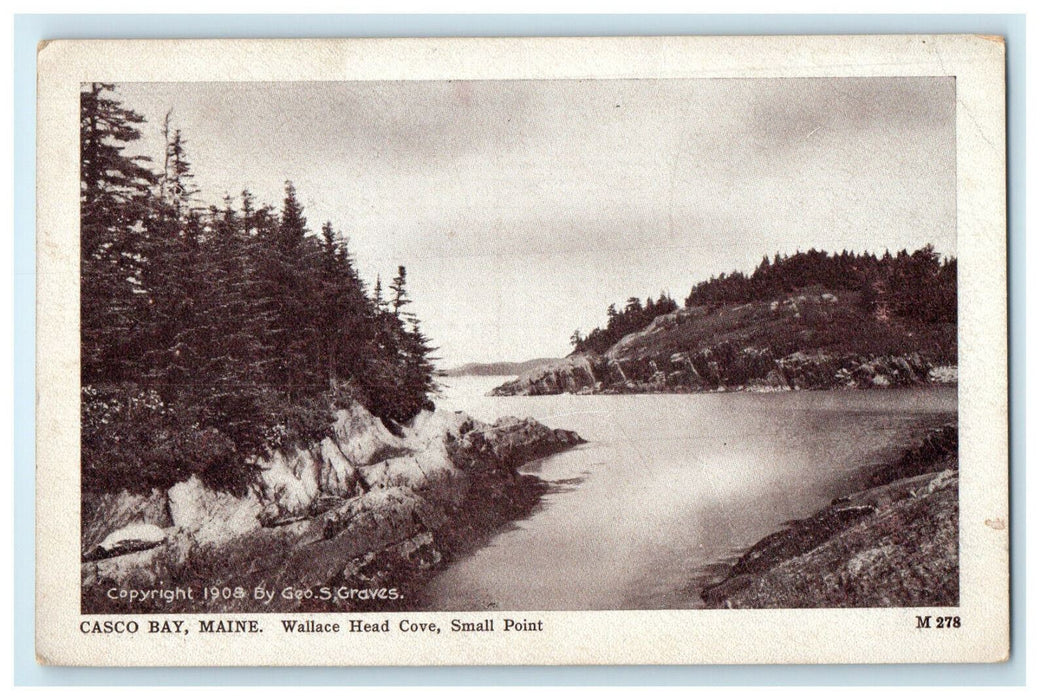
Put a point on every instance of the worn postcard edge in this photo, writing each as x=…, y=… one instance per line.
x=600, y=637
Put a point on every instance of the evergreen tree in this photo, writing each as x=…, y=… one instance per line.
x=114, y=192
x=211, y=335
x=377, y=296
x=399, y=290
x=170, y=335
x=291, y=275
x=633, y=317
x=347, y=315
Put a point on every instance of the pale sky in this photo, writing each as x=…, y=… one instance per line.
x=522, y=209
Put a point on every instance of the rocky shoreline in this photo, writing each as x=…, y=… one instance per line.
x=816, y=340
x=364, y=510
x=893, y=544
x=725, y=368
x=368, y=511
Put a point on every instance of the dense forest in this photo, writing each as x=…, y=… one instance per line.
x=213, y=333
x=920, y=286
x=633, y=317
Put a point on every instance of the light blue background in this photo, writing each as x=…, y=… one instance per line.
x=30, y=29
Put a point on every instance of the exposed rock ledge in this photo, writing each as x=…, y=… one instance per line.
x=895, y=544
x=361, y=508
x=810, y=340
x=723, y=368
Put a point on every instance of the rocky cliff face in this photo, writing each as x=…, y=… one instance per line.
x=721, y=368
x=361, y=504
x=814, y=341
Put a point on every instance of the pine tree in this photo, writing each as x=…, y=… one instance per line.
x=169, y=330
x=377, y=295
x=220, y=332
x=347, y=312
x=399, y=290
x=291, y=274
x=176, y=189
x=114, y=191
x=292, y=221
x=419, y=377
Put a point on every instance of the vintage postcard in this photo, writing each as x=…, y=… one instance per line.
x=663, y=350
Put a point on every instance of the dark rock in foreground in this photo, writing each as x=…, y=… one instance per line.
x=942, y=444
x=895, y=544
x=509, y=443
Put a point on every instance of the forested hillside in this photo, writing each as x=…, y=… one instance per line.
x=804, y=321
x=210, y=332
x=632, y=318
x=920, y=286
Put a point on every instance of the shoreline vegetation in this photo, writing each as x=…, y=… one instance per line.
x=806, y=321
x=255, y=418
x=364, y=513
x=212, y=333
x=253, y=415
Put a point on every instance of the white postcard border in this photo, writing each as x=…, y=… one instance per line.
x=606, y=637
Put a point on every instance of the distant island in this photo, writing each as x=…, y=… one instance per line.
x=497, y=369
x=811, y=320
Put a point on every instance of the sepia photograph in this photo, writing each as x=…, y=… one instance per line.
x=730, y=304
x=493, y=349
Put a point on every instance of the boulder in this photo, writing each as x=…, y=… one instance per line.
x=511, y=442
x=428, y=469
x=945, y=374
x=285, y=486
x=380, y=517
x=338, y=476
x=212, y=517
x=436, y=426
x=101, y=513
x=138, y=566
x=129, y=538
x=363, y=438
x=418, y=551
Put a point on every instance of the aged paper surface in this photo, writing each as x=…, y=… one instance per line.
x=248, y=453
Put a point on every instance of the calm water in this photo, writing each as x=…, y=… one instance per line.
x=670, y=488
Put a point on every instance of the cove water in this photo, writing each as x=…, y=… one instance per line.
x=670, y=488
